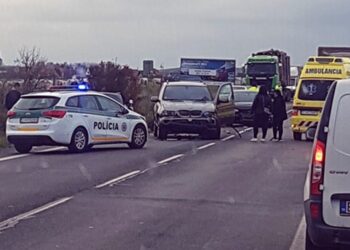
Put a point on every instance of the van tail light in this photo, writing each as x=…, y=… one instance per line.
x=315, y=210
x=317, y=168
x=55, y=113
x=11, y=114
x=295, y=112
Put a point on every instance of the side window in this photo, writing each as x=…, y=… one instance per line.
x=226, y=92
x=73, y=102
x=88, y=102
x=109, y=105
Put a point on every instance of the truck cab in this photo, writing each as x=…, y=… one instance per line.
x=270, y=68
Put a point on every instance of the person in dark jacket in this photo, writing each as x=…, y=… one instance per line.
x=12, y=96
x=261, y=111
x=279, y=113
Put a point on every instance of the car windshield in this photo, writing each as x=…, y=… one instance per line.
x=314, y=90
x=36, y=103
x=257, y=69
x=186, y=93
x=244, y=96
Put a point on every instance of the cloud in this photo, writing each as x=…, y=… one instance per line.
x=165, y=30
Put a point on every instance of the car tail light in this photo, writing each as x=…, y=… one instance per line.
x=315, y=210
x=55, y=113
x=295, y=112
x=317, y=168
x=11, y=114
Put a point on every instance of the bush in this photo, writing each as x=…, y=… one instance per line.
x=143, y=104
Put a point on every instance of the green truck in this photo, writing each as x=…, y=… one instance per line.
x=270, y=68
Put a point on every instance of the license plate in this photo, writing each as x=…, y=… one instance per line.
x=309, y=112
x=29, y=120
x=345, y=208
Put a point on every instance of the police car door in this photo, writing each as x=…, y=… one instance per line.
x=117, y=124
x=93, y=117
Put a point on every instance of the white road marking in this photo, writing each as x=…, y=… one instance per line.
x=228, y=138
x=170, y=159
x=17, y=156
x=15, y=220
x=299, y=237
x=12, y=157
x=245, y=130
x=206, y=146
x=118, y=179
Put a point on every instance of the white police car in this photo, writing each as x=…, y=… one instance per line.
x=77, y=119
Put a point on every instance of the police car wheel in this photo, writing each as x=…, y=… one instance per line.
x=79, y=141
x=23, y=148
x=139, y=137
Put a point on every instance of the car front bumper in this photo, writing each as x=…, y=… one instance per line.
x=188, y=125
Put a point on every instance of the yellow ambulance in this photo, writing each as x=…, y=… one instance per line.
x=317, y=76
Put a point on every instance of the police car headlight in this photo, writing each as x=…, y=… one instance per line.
x=209, y=114
x=168, y=113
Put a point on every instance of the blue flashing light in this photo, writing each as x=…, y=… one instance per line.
x=83, y=87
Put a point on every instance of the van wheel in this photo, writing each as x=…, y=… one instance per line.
x=79, y=141
x=23, y=148
x=139, y=137
x=162, y=133
x=297, y=136
x=309, y=245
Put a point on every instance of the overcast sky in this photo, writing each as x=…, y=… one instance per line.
x=166, y=30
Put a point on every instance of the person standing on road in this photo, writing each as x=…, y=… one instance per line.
x=12, y=96
x=279, y=113
x=261, y=111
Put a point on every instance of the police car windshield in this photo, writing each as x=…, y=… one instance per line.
x=244, y=96
x=186, y=93
x=36, y=103
x=314, y=90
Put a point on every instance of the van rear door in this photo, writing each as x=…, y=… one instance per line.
x=336, y=193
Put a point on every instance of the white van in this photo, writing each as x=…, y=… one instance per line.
x=327, y=186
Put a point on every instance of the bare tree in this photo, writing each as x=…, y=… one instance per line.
x=34, y=66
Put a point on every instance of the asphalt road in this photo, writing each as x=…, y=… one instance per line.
x=178, y=194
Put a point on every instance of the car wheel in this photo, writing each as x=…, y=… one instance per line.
x=212, y=134
x=216, y=135
x=162, y=133
x=23, y=148
x=297, y=136
x=139, y=137
x=79, y=141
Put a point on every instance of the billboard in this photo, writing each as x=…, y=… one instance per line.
x=209, y=69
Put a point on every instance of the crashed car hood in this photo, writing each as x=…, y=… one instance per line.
x=189, y=105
